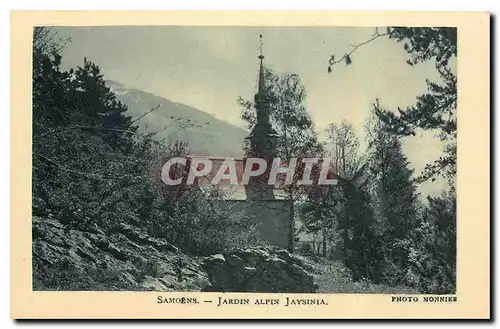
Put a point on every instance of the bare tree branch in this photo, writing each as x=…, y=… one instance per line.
x=80, y=173
x=347, y=57
x=142, y=116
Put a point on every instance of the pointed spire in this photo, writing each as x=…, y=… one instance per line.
x=261, y=71
x=263, y=137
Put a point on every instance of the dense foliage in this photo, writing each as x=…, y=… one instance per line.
x=93, y=170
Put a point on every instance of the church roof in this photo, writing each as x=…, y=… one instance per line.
x=233, y=191
x=239, y=193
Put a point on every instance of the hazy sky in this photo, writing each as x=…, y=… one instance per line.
x=209, y=67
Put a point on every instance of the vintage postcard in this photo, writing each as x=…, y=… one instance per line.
x=239, y=165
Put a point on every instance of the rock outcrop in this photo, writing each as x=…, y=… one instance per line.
x=128, y=259
x=258, y=270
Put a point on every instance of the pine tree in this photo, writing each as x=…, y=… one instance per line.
x=97, y=106
x=394, y=196
x=433, y=247
x=50, y=85
x=435, y=109
x=358, y=227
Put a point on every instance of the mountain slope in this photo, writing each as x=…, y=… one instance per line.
x=206, y=134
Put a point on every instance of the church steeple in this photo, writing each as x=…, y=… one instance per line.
x=261, y=71
x=261, y=101
x=263, y=137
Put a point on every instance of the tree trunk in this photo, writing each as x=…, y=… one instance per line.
x=343, y=162
x=324, y=244
x=291, y=227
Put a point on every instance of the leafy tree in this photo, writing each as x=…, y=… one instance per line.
x=320, y=212
x=323, y=208
x=344, y=146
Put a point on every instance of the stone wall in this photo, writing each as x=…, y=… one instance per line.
x=270, y=217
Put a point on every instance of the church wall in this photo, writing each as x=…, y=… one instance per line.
x=270, y=216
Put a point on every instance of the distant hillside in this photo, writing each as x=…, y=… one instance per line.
x=206, y=134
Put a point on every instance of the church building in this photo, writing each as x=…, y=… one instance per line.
x=265, y=204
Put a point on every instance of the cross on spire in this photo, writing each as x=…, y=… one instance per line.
x=261, y=44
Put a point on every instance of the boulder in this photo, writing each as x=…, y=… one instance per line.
x=257, y=270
